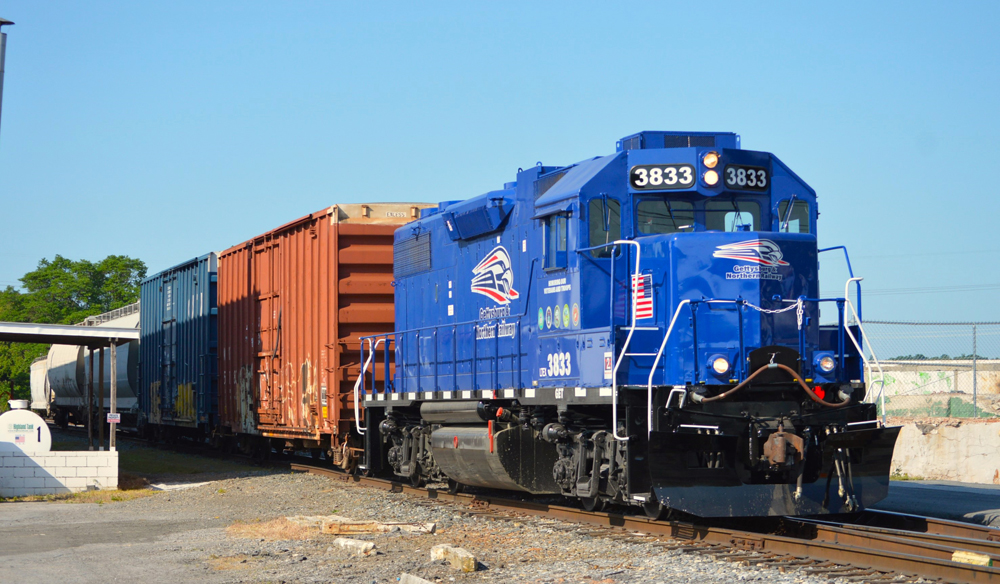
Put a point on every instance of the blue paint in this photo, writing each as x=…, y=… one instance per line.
x=514, y=297
x=179, y=342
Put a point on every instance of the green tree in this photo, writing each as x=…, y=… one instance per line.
x=61, y=291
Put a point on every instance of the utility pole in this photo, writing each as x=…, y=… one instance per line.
x=3, y=50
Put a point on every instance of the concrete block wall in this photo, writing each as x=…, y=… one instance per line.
x=55, y=473
x=948, y=450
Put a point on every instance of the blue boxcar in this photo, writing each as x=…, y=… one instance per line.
x=178, y=349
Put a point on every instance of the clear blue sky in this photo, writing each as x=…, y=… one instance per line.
x=166, y=130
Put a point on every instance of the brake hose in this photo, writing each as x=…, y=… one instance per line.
x=808, y=390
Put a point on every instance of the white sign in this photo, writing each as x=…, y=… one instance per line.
x=114, y=418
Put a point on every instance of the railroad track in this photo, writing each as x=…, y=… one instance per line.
x=875, y=546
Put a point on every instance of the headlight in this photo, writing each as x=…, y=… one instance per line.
x=720, y=365
x=711, y=178
x=826, y=364
x=710, y=160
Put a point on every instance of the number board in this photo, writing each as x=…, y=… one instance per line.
x=746, y=178
x=659, y=177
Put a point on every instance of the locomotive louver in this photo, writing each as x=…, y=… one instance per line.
x=411, y=255
x=546, y=182
x=688, y=141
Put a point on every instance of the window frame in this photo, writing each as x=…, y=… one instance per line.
x=598, y=202
x=795, y=202
x=555, y=259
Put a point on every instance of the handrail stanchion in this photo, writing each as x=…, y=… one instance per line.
x=633, y=280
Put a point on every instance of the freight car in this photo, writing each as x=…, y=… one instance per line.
x=68, y=373
x=641, y=328
x=178, y=344
x=293, y=303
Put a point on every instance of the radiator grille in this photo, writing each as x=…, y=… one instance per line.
x=411, y=255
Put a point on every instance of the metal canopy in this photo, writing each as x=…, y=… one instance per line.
x=66, y=334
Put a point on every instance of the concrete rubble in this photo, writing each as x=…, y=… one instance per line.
x=361, y=548
x=337, y=525
x=459, y=558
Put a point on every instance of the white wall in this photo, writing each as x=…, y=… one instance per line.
x=53, y=473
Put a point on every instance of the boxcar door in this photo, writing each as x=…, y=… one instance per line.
x=168, y=361
x=267, y=260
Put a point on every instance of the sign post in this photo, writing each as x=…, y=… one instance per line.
x=114, y=395
x=3, y=50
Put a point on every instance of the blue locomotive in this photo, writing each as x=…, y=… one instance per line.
x=638, y=329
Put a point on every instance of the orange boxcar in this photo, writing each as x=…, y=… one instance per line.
x=293, y=304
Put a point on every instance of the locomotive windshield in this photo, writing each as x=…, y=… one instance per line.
x=796, y=221
x=664, y=216
x=659, y=216
x=732, y=215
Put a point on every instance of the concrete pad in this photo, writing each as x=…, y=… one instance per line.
x=975, y=503
x=177, y=486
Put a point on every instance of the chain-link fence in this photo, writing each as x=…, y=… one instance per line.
x=940, y=370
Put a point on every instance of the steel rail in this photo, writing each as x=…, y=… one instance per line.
x=906, y=552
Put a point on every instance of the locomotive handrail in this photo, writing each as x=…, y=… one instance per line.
x=361, y=378
x=850, y=272
x=864, y=339
x=633, y=283
x=652, y=370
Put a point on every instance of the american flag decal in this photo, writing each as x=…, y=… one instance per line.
x=642, y=287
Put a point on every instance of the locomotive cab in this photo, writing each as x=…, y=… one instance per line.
x=641, y=328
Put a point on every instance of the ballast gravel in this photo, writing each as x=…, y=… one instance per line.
x=197, y=546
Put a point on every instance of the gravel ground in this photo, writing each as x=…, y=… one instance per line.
x=188, y=541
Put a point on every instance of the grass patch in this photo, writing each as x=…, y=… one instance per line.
x=898, y=476
x=230, y=562
x=279, y=529
x=99, y=497
x=147, y=461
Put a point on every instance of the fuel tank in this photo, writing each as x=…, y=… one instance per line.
x=510, y=458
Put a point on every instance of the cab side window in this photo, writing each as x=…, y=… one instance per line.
x=555, y=242
x=796, y=221
x=605, y=224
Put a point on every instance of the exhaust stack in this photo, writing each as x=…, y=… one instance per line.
x=3, y=49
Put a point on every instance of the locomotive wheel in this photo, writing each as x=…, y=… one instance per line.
x=592, y=503
x=654, y=510
x=416, y=480
x=454, y=487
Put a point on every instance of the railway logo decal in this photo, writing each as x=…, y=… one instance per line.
x=493, y=277
x=758, y=251
x=764, y=254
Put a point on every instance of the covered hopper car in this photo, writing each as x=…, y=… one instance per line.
x=641, y=328
x=67, y=372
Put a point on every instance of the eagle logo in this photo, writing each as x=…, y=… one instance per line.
x=493, y=277
x=755, y=251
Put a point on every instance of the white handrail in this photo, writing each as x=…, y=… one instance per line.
x=868, y=367
x=652, y=370
x=633, y=281
x=357, y=385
